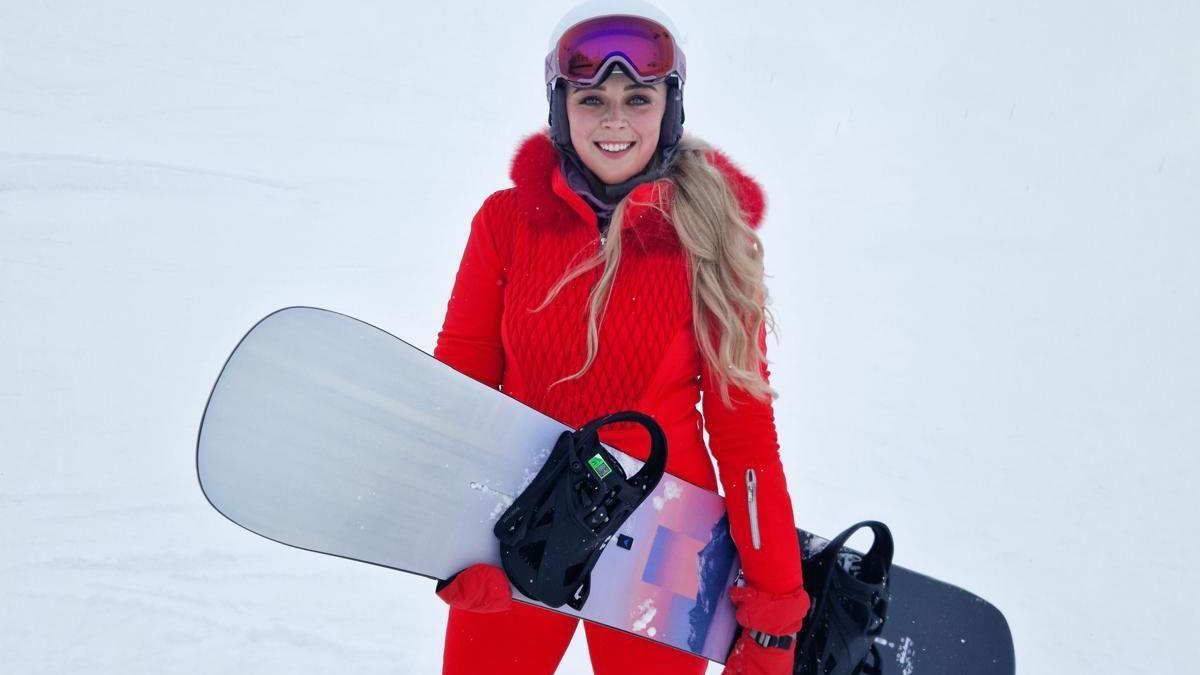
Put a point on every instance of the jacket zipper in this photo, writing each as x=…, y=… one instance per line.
x=751, y=487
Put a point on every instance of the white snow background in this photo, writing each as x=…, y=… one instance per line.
x=982, y=241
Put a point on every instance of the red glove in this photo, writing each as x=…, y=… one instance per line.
x=774, y=614
x=479, y=588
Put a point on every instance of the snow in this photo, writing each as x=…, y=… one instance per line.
x=644, y=615
x=671, y=490
x=981, y=236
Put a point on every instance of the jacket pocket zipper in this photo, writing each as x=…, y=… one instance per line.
x=751, y=498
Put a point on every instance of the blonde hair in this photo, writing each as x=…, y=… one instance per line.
x=729, y=295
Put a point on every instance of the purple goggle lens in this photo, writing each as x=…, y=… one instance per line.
x=585, y=52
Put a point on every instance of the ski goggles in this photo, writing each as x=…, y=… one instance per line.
x=586, y=52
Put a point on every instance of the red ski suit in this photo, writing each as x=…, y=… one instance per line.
x=521, y=242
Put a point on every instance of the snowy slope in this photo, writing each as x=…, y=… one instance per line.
x=982, y=237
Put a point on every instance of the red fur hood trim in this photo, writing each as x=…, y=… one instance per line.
x=546, y=201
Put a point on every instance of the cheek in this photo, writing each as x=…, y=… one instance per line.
x=649, y=128
x=649, y=123
x=581, y=124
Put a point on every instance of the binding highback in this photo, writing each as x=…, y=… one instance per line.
x=554, y=532
x=849, y=606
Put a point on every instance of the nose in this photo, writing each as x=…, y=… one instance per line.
x=614, y=120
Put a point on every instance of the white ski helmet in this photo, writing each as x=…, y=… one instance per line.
x=639, y=49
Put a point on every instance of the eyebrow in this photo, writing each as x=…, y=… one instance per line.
x=635, y=85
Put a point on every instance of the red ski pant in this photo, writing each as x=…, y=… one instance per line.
x=528, y=640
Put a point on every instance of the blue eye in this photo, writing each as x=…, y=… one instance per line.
x=637, y=100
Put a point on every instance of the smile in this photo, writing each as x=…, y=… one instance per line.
x=615, y=148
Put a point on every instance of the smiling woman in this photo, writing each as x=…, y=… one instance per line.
x=673, y=269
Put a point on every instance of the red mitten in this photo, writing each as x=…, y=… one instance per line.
x=774, y=614
x=479, y=588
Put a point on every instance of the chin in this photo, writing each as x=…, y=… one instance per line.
x=613, y=173
x=614, y=178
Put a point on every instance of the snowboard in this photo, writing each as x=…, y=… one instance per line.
x=328, y=434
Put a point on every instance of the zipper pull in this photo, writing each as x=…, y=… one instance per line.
x=751, y=498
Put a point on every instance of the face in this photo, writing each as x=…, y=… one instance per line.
x=615, y=125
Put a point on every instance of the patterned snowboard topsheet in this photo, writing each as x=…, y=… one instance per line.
x=328, y=434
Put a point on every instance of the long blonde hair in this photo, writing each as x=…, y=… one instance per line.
x=729, y=295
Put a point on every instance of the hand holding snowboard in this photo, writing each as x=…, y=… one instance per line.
x=767, y=645
x=478, y=588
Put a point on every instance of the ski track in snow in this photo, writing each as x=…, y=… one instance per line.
x=18, y=177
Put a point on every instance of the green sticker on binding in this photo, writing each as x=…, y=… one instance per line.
x=600, y=466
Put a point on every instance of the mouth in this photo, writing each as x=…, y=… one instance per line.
x=615, y=150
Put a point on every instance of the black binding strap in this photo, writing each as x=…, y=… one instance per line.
x=850, y=594
x=554, y=532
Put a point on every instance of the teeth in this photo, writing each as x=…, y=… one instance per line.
x=614, y=147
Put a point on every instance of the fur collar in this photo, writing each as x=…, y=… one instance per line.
x=545, y=199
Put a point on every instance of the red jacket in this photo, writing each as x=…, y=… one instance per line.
x=521, y=242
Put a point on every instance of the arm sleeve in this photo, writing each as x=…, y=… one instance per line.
x=742, y=439
x=469, y=340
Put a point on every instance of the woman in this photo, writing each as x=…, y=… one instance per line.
x=583, y=291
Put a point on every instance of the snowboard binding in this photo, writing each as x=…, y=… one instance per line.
x=850, y=598
x=554, y=532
